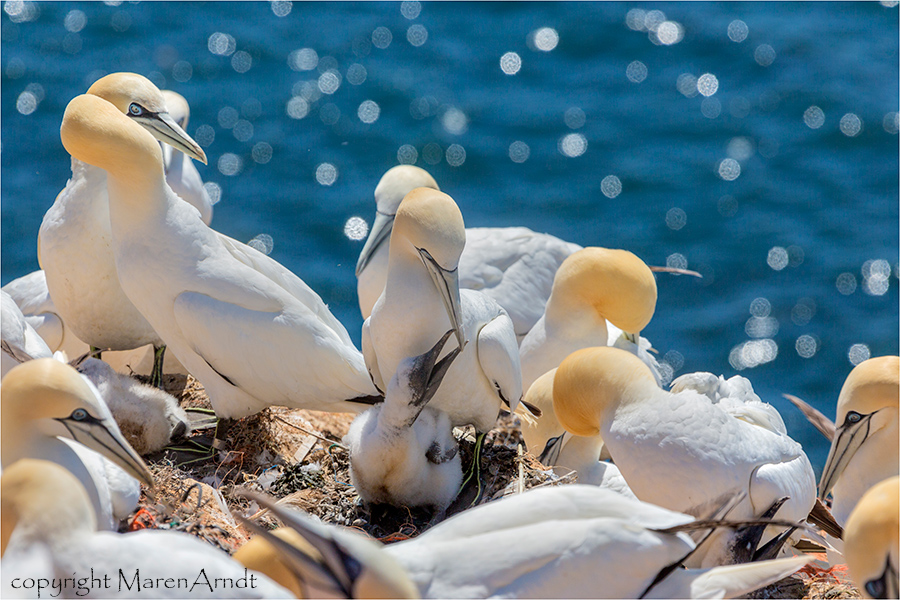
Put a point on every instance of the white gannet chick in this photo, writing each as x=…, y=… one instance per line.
x=46, y=404
x=864, y=449
x=684, y=452
x=251, y=331
x=401, y=451
x=45, y=508
x=181, y=174
x=593, y=289
x=570, y=541
x=565, y=452
x=422, y=300
x=512, y=265
x=871, y=544
x=75, y=246
x=18, y=339
x=148, y=417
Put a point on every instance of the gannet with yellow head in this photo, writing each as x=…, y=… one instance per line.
x=421, y=300
x=251, y=331
x=46, y=405
x=46, y=514
x=864, y=449
x=570, y=541
x=597, y=295
x=684, y=452
x=871, y=544
x=75, y=240
x=512, y=265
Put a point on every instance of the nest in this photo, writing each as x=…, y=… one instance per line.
x=297, y=457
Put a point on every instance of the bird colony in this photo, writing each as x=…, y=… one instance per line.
x=688, y=492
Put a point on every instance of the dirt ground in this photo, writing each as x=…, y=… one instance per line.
x=297, y=456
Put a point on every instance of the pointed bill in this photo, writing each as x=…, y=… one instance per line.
x=380, y=233
x=164, y=128
x=427, y=372
x=447, y=284
x=103, y=436
x=847, y=440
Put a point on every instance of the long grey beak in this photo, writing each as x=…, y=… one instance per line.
x=447, y=284
x=380, y=232
x=847, y=440
x=426, y=374
x=104, y=437
x=551, y=451
x=164, y=128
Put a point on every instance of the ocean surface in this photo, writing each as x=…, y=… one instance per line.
x=753, y=142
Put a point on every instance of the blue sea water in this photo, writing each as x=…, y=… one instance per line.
x=754, y=142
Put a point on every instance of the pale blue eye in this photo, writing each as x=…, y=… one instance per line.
x=79, y=414
x=136, y=109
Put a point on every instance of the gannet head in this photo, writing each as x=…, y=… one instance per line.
x=137, y=97
x=260, y=555
x=50, y=397
x=429, y=224
x=871, y=540
x=343, y=561
x=544, y=436
x=615, y=283
x=395, y=184
x=45, y=498
x=591, y=383
x=871, y=391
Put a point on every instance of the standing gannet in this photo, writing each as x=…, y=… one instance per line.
x=422, y=300
x=557, y=448
x=401, y=451
x=684, y=452
x=46, y=404
x=569, y=541
x=75, y=246
x=251, y=331
x=181, y=174
x=512, y=265
x=593, y=289
x=864, y=449
x=872, y=540
x=47, y=513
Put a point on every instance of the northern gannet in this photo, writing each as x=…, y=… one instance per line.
x=600, y=297
x=872, y=540
x=46, y=404
x=75, y=246
x=181, y=174
x=683, y=451
x=555, y=447
x=512, y=265
x=422, y=300
x=18, y=339
x=568, y=541
x=251, y=331
x=403, y=452
x=46, y=513
x=864, y=449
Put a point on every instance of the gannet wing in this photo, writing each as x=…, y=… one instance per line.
x=19, y=339
x=498, y=355
x=728, y=581
x=284, y=350
x=371, y=358
x=735, y=396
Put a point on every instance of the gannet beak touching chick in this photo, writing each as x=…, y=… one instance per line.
x=864, y=449
x=137, y=97
x=871, y=541
x=51, y=396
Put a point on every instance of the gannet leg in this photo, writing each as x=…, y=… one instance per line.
x=95, y=352
x=156, y=375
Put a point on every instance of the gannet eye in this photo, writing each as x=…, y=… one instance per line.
x=135, y=109
x=853, y=417
x=79, y=414
x=876, y=588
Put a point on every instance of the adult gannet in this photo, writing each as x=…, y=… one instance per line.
x=864, y=449
x=403, y=452
x=871, y=540
x=555, y=447
x=181, y=174
x=47, y=513
x=422, y=300
x=512, y=265
x=18, y=339
x=570, y=541
x=600, y=297
x=46, y=404
x=251, y=331
x=683, y=451
x=75, y=246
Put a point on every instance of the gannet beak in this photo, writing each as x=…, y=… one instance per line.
x=447, y=284
x=551, y=451
x=164, y=128
x=105, y=438
x=426, y=374
x=381, y=231
x=847, y=440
